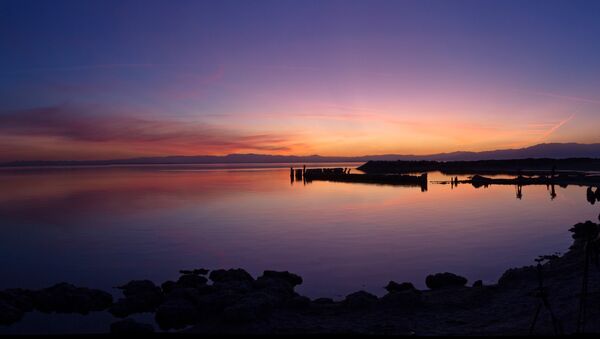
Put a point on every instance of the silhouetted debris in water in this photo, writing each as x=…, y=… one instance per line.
x=67, y=298
x=393, y=286
x=130, y=326
x=360, y=300
x=140, y=296
x=444, y=280
x=591, y=196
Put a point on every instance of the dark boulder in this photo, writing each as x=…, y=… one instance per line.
x=191, y=280
x=168, y=286
x=393, y=286
x=323, y=301
x=445, y=280
x=237, y=275
x=478, y=283
x=291, y=278
x=20, y=298
x=177, y=313
x=197, y=271
x=9, y=314
x=359, y=300
x=66, y=298
x=407, y=299
x=140, y=296
x=298, y=303
x=250, y=308
x=130, y=326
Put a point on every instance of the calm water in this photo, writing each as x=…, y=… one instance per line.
x=100, y=227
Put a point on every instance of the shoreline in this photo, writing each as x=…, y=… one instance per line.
x=232, y=301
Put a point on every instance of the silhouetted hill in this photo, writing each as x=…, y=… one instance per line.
x=554, y=151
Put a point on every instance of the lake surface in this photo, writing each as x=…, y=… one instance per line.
x=101, y=227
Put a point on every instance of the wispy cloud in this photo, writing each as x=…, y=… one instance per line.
x=83, y=125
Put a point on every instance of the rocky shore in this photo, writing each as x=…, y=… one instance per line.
x=232, y=301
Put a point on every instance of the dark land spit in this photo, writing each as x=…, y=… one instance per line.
x=542, y=166
x=232, y=301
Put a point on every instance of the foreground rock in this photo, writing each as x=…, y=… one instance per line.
x=444, y=280
x=130, y=326
x=236, y=302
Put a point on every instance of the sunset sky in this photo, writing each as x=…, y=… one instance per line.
x=113, y=79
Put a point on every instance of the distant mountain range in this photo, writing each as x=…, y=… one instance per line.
x=554, y=150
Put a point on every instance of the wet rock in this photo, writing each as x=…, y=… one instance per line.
x=130, y=326
x=66, y=298
x=359, y=300
x=237, y=275
x=250, y=308
x=197, y=271
x=140, y=296
x=444, y=280
x=478, y=284
x=393, y=286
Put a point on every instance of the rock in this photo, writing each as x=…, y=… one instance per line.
x=250, y=308
x=191, y=280
x=445, y=280
x=197, y=271
x=177, y=313
x=20, y=298
x=9, y=314
x=168, y=286
x=359, y=300
x=66, y=298
x=291, y=278
x=393, y=286
x=298, y=303
x=478, y=284
x=220, y=276
x=323, y=301
x=140, y=296
x=407, y=299
x=516, y=276
x=130, y=326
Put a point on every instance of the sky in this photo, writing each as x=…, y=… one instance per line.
x=108, y=79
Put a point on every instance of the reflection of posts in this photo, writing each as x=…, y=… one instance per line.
x=519, y=192
x=552, y=192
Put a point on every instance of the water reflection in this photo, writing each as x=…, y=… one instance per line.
x=99, y=227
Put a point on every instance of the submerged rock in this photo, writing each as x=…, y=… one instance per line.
x=445, y=280
x=130, y=326
x=359, y=300
x=67, y=298
x=140, y=296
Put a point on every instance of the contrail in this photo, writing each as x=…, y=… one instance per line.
x=557, y=126
x=567, y=97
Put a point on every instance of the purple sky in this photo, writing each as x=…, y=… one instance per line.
x=106, y=79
